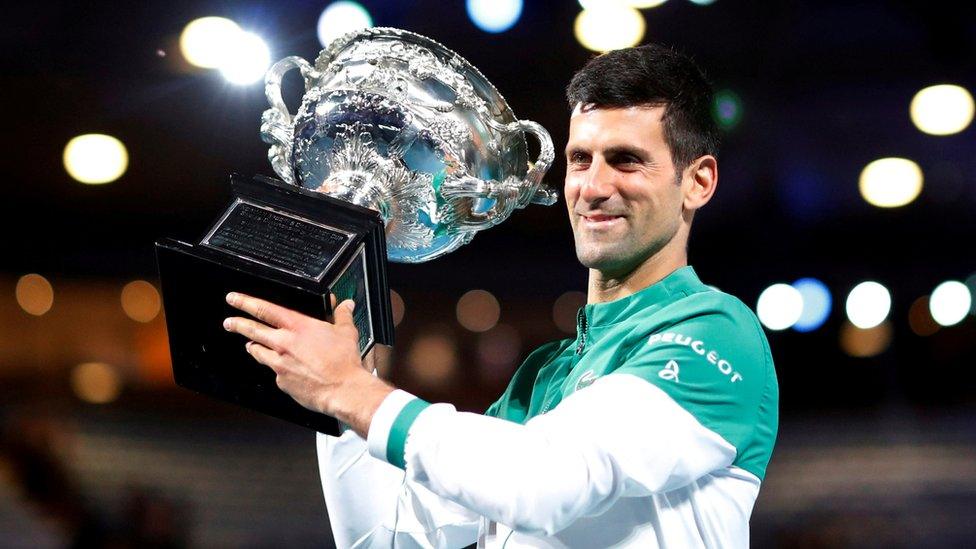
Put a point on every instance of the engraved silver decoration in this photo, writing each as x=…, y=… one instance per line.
x=396, y=122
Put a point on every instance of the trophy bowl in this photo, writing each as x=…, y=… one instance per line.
x=398, y=123
x=400, y=151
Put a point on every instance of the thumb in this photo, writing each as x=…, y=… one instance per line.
x=343, y=313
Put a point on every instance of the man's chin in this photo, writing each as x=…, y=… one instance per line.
x=602, y=262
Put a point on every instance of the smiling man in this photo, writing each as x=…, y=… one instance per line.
x=651, y=428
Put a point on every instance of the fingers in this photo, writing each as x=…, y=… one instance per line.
x=264, y=355
x=343, y=319
x=343, y=313
x=267, y=312
x=253, y=330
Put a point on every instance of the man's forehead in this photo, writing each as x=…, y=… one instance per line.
x=602, y=127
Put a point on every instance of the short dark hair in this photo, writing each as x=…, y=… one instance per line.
x=654, y=75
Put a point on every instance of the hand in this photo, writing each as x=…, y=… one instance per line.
x=317, y=362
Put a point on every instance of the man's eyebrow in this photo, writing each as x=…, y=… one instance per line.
x=571, y=150
x=614, y=150
x=620, y=150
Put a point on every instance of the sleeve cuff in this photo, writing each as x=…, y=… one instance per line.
x=387, y=437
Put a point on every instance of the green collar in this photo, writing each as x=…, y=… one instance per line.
x=682, y=281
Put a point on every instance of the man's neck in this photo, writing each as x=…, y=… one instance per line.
x=605, y=287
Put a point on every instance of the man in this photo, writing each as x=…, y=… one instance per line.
x=652, y=428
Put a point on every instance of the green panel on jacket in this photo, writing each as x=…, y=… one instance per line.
x=702, y=347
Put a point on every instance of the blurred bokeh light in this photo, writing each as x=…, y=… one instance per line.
x=890, y=182
x=248, y=60
x=865, y=342
x=34, y=293
x=494, y=15
x=96, y=382
x=950, y=303
x=609, y=26
x=478, y=310
x=779, y=307
x=95, y=158
x=817, y=303
x=140, y=301
x=868, y=304
x=219, y=43
x=433, y=357
x=339, y=18
x=208, y=41
x=727, y=109
x=943, y=109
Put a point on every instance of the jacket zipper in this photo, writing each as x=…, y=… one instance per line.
x=581, y=328
x=581, y=325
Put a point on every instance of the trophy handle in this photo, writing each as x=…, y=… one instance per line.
x=547, y=153
x=272, y=82
x=508, y=194
x=276, y=123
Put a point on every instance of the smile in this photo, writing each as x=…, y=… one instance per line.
x=601, y=221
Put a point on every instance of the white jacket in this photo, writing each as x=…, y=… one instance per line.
x=577, y=476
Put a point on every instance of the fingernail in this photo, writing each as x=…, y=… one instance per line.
x=351, y=305
x=231, y=298
x=228, y=323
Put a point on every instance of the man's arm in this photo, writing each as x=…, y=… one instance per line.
x=370, y=502
x=622, y=436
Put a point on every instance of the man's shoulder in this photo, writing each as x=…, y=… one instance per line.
x=705, y=323
x=706, y=311
x=712, y=305
x=709, y=353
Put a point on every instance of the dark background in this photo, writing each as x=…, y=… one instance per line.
x=825, y=89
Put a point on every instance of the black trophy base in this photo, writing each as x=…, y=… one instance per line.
x=281, y=244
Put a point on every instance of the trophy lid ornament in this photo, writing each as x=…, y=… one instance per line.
x=398, y=123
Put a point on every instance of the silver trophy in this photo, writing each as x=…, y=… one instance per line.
x=401, y=150
x=397, y=123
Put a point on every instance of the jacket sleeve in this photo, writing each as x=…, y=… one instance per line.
x=622, y=436
x=373, y=504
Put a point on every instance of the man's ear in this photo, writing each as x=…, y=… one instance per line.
x=699, y=181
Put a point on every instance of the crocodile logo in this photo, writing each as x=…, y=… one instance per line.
x=586, y=380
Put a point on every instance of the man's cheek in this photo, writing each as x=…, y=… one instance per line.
x=570, y=194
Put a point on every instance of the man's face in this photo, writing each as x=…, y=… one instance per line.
x=622, y=191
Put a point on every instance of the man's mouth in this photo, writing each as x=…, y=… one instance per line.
x=597, y=221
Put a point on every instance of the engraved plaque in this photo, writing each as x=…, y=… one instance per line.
x=278, y=240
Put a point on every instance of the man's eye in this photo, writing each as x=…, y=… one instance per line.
x=579, y=159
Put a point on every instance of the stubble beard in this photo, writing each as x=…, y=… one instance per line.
x=616, y=258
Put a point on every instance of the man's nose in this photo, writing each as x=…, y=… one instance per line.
x=599, y=182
